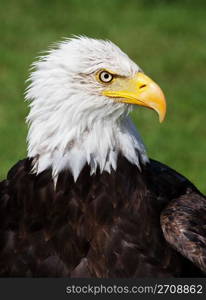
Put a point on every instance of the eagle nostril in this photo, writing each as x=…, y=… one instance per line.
x=142, y=86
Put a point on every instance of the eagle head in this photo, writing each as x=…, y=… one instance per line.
x=80, y=94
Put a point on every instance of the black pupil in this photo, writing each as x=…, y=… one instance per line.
x=106, y=76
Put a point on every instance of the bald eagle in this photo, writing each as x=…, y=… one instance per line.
x=87, y=201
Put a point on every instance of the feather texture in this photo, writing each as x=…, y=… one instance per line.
x=94, y=227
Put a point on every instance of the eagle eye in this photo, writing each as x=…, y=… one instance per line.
x=105, y=76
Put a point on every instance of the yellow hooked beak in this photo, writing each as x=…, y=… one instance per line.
x=139, y=90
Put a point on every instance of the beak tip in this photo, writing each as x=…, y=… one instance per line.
x=162, y=108
x=161, y=118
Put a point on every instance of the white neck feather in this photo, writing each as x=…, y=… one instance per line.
x=81, y=138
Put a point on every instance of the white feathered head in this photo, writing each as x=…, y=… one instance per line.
x=80, y=95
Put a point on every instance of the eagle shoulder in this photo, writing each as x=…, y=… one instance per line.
x=183, y=219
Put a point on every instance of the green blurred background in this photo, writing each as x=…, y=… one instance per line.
x=166, y=38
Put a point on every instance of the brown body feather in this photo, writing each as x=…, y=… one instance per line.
x=105, y=225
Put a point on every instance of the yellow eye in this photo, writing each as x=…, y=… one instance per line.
x=105, y=76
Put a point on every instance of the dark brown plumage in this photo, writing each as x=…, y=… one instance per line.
x=105, y=225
